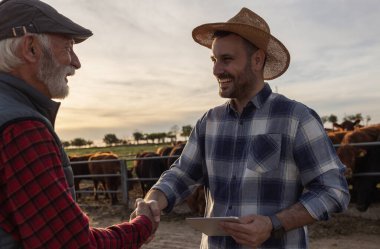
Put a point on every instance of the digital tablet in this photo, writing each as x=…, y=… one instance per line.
x=210, y=226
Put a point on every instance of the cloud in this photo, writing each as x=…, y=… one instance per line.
x=142, y=69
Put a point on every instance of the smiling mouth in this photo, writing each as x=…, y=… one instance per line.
x=224, y=81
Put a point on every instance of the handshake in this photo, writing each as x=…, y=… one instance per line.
x=151, y=210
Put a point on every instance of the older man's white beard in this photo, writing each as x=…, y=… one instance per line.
x=54, y=76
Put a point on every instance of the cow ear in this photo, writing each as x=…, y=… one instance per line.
x=362, y=153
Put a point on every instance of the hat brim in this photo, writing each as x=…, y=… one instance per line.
x=278, y=57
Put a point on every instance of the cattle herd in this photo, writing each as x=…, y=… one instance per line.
x=355, y=145
x=359, y=150
x=94, y=166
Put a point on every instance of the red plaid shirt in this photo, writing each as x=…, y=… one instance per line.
x=36, y=207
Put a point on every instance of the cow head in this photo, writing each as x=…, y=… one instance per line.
x=349, y=155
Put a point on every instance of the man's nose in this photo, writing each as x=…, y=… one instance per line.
x=75, y=61
x=218, y=69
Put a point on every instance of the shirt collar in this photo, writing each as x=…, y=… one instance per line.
x=43, y=104
x=257, y=101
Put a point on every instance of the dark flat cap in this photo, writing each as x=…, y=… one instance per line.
x=18, y=17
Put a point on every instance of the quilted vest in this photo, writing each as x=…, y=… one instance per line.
x=20, y=101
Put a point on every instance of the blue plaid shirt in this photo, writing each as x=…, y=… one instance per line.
x=275, y=154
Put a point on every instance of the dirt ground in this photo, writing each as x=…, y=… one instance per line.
x=350, y=230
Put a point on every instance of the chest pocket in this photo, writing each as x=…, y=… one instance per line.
x=264, y=153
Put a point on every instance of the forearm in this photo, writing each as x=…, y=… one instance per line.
x=159, y=196
x=294, y=217
x=131, y=234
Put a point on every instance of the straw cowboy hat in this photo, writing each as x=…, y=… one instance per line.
x=253, y=28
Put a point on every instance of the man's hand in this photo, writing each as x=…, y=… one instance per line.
x=155, y=211
x=145, y=208
x=252, y=231
x=156, y=201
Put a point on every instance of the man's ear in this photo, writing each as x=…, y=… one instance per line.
x=30, y=49
x=258, y=60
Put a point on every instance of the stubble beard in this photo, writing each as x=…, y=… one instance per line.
x=239, y=86
x=53, y=75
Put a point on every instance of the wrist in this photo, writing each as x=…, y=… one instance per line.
x=277, y=228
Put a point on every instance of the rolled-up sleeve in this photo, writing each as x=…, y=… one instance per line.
x=322, y=173
x=186, y=173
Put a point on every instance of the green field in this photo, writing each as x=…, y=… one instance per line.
x=123, y=151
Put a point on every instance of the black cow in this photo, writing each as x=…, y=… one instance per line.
x=80, y=169
x=364, y=186
x=164, y=151
x=148, y=168
x=176, y=151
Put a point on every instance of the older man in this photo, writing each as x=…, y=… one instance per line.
x=261, y=156
x=37, y=201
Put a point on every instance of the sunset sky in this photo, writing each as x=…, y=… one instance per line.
x=142, y=71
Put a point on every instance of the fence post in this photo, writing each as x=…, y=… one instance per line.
x=124, y=182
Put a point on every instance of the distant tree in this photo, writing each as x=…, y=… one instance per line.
x=172, y=137
x=367, y=119
x=78, y=142
x=111, y=139
x=332, y=119
x=161, y=137
x=324, y=119
x=124, y=141
x=89, y=143
x=150, y=136
x=353, y=117
x=66, y=144
x=186, y=130
x=172, y=134
x=138, y=136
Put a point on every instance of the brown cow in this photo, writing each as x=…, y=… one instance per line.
x=110, y=183
x=362, y=159
x=336, y=137
x=347, y=125
x=348, y=153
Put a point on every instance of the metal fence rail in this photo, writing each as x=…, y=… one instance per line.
x=123, y=175
x=367, y=174
x=125, y=180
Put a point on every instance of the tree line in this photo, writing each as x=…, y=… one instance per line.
x=332, y=118
x=110, y=139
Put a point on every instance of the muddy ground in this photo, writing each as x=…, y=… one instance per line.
x=350, y=230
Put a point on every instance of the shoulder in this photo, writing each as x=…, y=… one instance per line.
x=25, y=129
x=217, y=112
x=285, y=107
